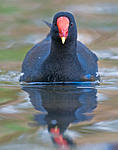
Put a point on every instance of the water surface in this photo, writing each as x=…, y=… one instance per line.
x=58, y=117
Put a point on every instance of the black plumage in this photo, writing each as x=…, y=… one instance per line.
x=52, y=61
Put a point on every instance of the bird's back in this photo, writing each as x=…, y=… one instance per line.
x=31, y=67
x=87, y=59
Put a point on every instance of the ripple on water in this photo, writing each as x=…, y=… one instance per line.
x=95, y=8
x=103, y=146
x=87, y=38
x=109, y=72
x=33, y=39
x=109, y=76
x=101, y=97
x=10, y=76
x=9, y=110
x=106, y=54
x=106, y=126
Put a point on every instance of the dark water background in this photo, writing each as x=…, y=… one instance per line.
x=87, y=117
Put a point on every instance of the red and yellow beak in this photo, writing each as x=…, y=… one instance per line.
x=63, y=24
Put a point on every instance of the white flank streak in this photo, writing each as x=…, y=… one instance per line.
x=97, y=74
x=22, y=74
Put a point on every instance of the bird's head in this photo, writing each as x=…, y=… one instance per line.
x=64, y=28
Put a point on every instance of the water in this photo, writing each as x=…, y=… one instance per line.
x=55, y=116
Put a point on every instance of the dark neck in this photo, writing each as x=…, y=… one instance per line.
x=62, y=50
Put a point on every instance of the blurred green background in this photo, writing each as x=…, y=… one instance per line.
x=21, y=26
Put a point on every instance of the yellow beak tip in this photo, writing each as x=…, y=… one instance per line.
x=63, y=39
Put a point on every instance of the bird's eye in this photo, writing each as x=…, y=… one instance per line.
x=55, y=24
x=71, y=24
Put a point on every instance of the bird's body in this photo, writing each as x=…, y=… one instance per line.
x=55, y=61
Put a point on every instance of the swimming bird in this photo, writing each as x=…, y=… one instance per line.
x=60, y=57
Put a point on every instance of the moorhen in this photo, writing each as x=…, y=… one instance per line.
x=60, y=57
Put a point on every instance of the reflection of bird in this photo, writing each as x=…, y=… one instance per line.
x=64, y=105
x=60, y=57
x=62, y=142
